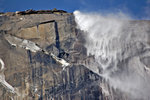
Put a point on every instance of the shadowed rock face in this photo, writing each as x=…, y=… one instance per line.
x=38, y=75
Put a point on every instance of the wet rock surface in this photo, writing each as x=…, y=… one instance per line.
x=37, y=75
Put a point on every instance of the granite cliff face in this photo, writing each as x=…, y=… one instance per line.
x=43, y=57
x=33, y=48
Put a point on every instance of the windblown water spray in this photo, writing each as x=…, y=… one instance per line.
x=121, y=50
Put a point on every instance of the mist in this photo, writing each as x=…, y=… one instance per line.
x=121, y=50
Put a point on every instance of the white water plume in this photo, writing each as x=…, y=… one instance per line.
x=121, y=50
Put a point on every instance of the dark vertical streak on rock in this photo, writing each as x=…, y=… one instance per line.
x=41, y=76
x=32, y=64
x=33, y=72
x=33, y=80
x=57, y=37
x=29, y=56
x=38, y=31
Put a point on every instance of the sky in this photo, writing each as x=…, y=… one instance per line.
x=138, y=9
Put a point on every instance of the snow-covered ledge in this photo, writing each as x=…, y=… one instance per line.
x=29, y=45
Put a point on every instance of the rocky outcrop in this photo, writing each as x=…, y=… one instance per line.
x=30, y=11
x=45, y=59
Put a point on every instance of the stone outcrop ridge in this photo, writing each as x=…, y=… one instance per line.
x=30, y=11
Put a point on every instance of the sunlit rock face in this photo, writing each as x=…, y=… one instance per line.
x=65, y=56
x=42, y=58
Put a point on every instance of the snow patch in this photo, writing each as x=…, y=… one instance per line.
x=26, y=44
x=61, y=61
x=3, y=81
x=2, y=64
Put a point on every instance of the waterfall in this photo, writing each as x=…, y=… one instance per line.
x=121, y=50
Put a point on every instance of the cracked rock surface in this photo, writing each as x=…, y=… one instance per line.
x=26, y=42
x=34, y=48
